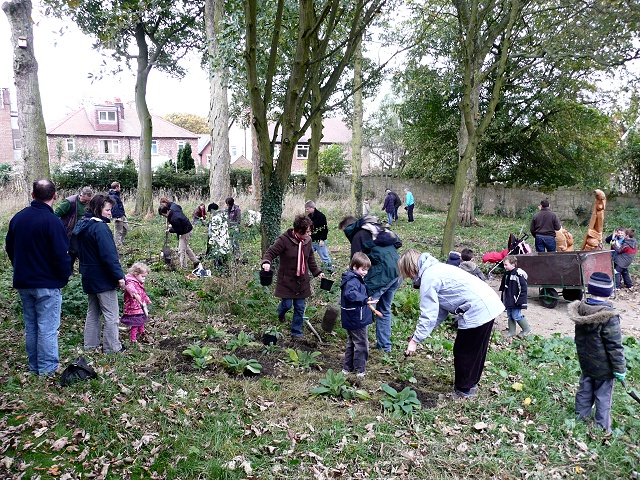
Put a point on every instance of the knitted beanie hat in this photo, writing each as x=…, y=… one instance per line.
x=600, y=285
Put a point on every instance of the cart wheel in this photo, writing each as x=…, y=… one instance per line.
x=548, y=297
x=572, y=294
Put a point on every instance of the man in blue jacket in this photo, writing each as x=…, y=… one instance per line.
x=37, y=245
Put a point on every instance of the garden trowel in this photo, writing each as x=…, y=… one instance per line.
x=631, y=393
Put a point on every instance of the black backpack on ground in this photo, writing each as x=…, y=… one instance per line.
x=77, y=370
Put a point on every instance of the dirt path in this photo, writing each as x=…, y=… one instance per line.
x=547, y=321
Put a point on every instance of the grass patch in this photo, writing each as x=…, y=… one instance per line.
x=155, y=413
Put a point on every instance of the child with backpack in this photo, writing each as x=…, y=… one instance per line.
x=136, y=301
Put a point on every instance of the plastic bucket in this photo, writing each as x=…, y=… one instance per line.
x=266, y=278
x=326, y=284
x=329, y=319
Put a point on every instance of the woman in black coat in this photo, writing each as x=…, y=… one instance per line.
x=101, y=275
x=181, y=226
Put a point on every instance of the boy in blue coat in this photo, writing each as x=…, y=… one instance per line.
x=355, y=315
x=514, y=296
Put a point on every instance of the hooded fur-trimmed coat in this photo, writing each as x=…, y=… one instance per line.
x=598, y=339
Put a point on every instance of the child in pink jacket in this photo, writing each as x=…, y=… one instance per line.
x=136, y=300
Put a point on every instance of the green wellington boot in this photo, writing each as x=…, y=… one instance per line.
x=526, y=329
x=512, y=329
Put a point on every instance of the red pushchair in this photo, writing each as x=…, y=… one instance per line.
x=515, y=246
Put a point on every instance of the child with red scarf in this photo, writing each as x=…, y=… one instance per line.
x=296, y=262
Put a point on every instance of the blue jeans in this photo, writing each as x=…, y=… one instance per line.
x=323, y=253
x=545, y=242
x=298, y=314
x=390, y=218
x=383, y=324
x=41, y=309
x=514, y=314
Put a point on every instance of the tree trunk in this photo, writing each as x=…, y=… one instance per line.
x=356, y=139
x=313, y=166
x=255, y=168
x=33, y=133
x=144, y=200
x=219, y=173
x=466, y=215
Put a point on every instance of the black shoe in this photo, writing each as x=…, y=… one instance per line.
x=281, y=318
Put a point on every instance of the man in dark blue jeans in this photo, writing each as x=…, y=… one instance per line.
x=37, y=245
x=543, y=227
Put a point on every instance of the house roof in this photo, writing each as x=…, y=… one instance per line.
x=79, y=123
x=334, y=130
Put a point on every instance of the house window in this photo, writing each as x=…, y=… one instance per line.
x=234, y=151
x=154, y=147
x=303, y=151
x=17, y=144
x=71, y=144
x=181, y=144
x=110, y=146
x=208, y=159
x=105, y=116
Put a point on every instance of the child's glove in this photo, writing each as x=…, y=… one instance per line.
x=619, y=376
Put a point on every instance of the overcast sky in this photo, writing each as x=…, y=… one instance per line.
x=64, y=62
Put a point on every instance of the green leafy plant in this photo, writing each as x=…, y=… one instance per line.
x=242, y=340
x=271, y=348
x=400, y=403
x=273, y=330
x=336, y=385
x=300, y=358
x=202, y=356
x=240, y=365
x=212, y=333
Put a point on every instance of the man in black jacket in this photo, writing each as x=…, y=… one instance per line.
x=543, y=227
x=119, y=217
x=181, y=226
x=319, y=233
x=37, y=245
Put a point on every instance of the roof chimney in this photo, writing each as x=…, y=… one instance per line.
x=118, y=103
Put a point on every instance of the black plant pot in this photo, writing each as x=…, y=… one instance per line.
x=269, y=339
x=326, y=284
x=266, y=278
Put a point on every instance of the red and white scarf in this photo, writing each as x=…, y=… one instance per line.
x=301, y=267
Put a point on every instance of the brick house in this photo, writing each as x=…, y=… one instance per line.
x=10, y=147
x=110, y=134
x=334, y=131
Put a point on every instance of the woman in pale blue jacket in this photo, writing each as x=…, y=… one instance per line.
x=446, y=289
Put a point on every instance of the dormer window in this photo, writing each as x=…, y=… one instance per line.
x=106, y=116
